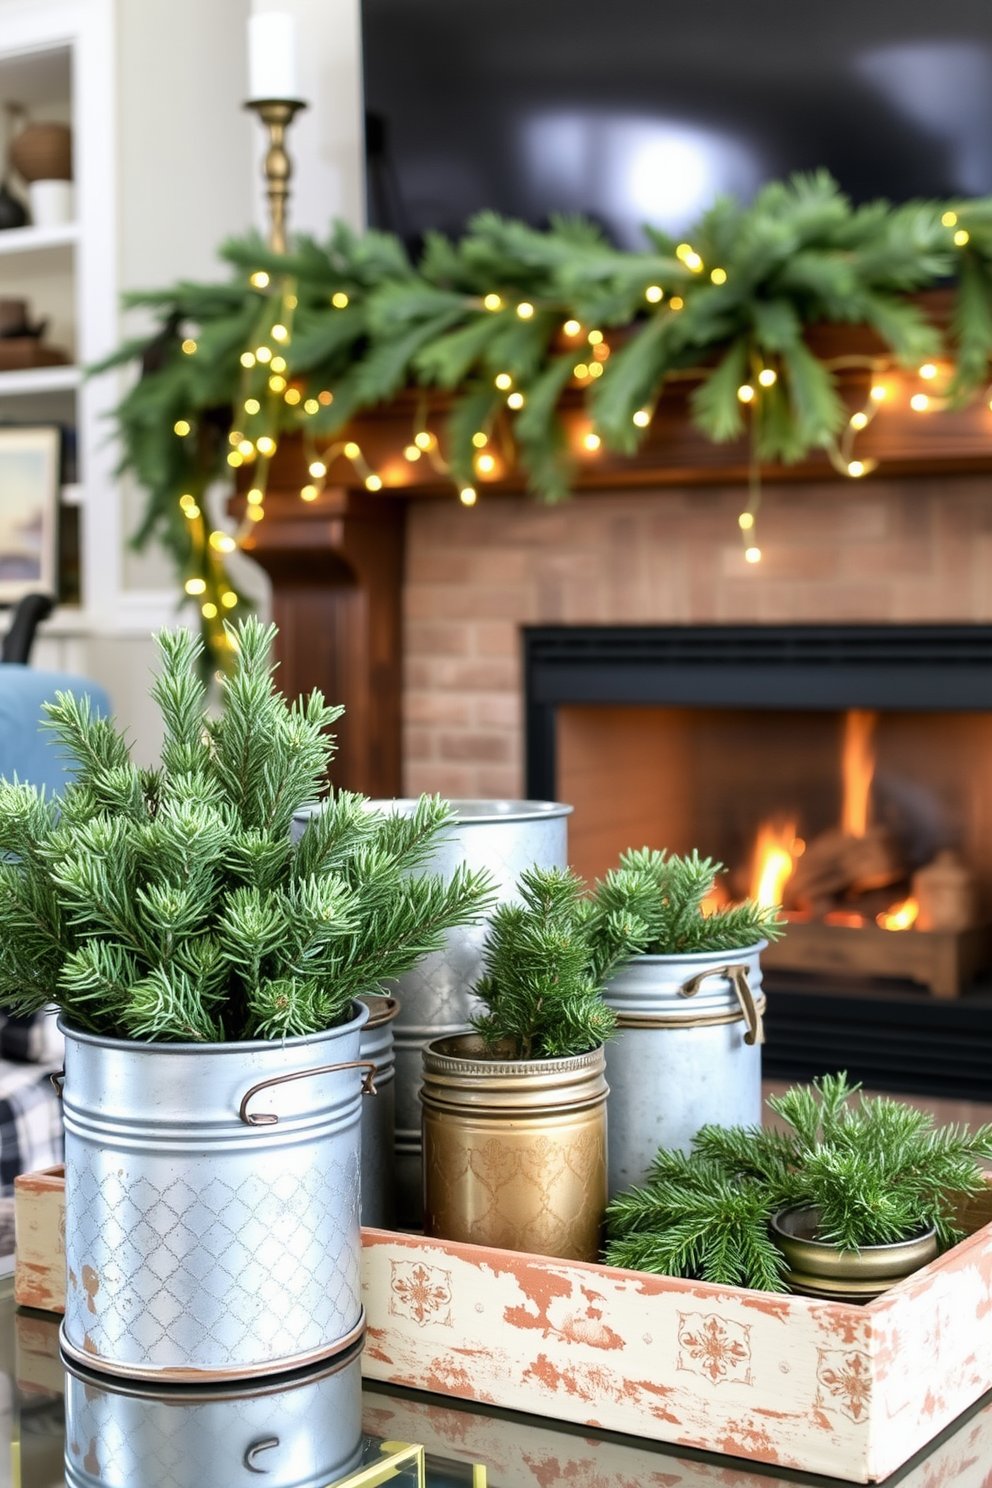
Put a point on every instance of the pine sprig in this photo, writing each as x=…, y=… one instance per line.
x=172, y=904
x=544, y=972
x=876, y=1170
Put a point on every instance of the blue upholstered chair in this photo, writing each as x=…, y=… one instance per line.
x=27, y=749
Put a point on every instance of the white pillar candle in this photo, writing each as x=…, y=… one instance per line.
x=272, y=59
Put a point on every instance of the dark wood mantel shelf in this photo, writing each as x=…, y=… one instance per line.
x=336, y=563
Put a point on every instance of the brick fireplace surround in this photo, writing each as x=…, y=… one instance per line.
x=894, y=550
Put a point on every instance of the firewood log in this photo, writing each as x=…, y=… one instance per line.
x=835, y=865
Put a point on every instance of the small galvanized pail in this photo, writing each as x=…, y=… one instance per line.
x=379, y=1116
x=514, y=1149
x=299, y=1431
x=212, y=1192
x=687, y=1053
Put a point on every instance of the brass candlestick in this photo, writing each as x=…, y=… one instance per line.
x=277, y=114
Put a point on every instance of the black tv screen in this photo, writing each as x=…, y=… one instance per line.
x=645, y=110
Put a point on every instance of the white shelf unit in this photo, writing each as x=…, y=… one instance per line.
x=39, y=380
x=37, y=239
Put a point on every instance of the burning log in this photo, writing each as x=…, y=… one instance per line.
x=836, y=865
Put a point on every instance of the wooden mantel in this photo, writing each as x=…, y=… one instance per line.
x=336, y=563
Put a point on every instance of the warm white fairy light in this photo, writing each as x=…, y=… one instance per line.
x=858, y=420
x=503, y=380
x=317, y=469
x=580, y=370
x=208, y=610
x=525, y=310
x=195, y=586
x=424, y=439
x=961, y=237
x=259, y=279
x=278, y=364
x=768, y=377
x=676, y=302
x=595, y=338
x=642, y=418
x=280, y=333
x=247, y=359
x=572, y=328
x=745, y=393
x=654, y=294
x=352, y=450
x=277, y=383
x=485, y=464
x=221, y=542
x=266, y=445
x=928, y=371
x=311, y=406
x=292, y=396
x=229, y=599
x=592, y=442
x=373, y=482
x=411, y=453
x=252, y=405
x=595, y=369
x=189, y=346
x=752, y=555
x=467, y=495
x=180, y=427
x=246, y=448
x=919, y=402
x=493, y=302
x=855, y=468
x=718, y=276
x=480, y=439
x=516, y=400
x=949, y=219
x=745, y=521
x=339, y=300
x=309, y=493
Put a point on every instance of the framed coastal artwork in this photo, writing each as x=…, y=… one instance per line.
x=29, y=492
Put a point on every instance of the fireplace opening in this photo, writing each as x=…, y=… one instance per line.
x=844, y=771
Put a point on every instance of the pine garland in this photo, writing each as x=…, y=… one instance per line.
x=354, y=321
x=877, y=1170
x=171, y=905
x=661, y=897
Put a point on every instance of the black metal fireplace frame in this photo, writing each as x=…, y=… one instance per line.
x=926, y=668
x=889, y=1039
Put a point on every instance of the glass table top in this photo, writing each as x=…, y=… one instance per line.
x=304, y=1432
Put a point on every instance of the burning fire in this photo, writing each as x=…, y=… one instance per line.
x=858, y=767
x=775, y=853
x=900, y=916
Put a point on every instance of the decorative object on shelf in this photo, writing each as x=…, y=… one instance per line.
x=305, y=1432
x=29, y=493
x=21, y=341
x=206, y=970
x=13, y=213
x=42, y=152
x=437, y=996
x=510, y=318
x=274, y=88
x=689, y=1010
x=514, y=1114
x=378, y=1207
x=52, y=203
x=876, y=1172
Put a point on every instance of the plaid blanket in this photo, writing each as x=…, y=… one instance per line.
x=30, y=1109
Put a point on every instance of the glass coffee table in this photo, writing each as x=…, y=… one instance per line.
x=121, y=1436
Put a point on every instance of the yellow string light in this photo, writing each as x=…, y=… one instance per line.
x=745, y=393
x=247, y=359
x=339, y=300
x=572, y=328
x=351, y=450
x=222, y=543
x=718, y=276
x=949, y=219
x=768, y=377
x=480, y=440
x=745, y=521
x=961, y=237
x=467, y=495
x=259, y=279
x=919, y=402
x=412, y=452
x=255, y=512
x=309, y=493
x=928, y=371
x=277, y=383
x=493, y=302
x=858, y=420
x=252, y=405
x=592, y=442
x=195, y=586
x=752, y=555
x=263, y=354
x=208, y=611
x=311, y=406
x=517, y=400
x=485, y=464
x=229, y=599
x=595, y=369
x=580, y=370
x=292, y=396
x=318, y=468
x=879, y=393
x=246, y=448
x=676, y=302
x=280, y=333
x=503, y=380
x=525, y=310
x=291, y=302
x=855, y=469
x=654, y=294
x=189, y=346
x=374, y=482
x=278, y=364
x=595, y=338
x=234, y=459
x=266, y=445
x=424, y=439
x=186, y=502
x=642, y=418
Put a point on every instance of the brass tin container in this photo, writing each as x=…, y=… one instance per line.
x=817, y=1269
x=514, y=1149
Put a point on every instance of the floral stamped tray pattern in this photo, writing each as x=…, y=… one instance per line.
x=804, y=1384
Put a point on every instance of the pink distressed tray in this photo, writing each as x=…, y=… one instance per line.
x=850, y=1392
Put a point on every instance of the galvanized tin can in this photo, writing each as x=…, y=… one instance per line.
x=687, y=1053
x=514, y=1149
x=436, y=996
x=379, y=1116
x=299, y=1432
x=212, y=1197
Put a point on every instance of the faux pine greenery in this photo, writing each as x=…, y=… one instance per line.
x=358, y=321
x=171, y=905
x=545, y=969
x=877, y=1170
x=659, y=897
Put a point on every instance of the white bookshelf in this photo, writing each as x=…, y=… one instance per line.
x=29, y=380
x=37, y=239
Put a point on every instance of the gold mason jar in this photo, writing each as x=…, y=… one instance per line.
x=514, y=1149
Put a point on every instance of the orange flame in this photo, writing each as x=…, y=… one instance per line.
x=775, y=852
x=858, y=766
x=899, y=916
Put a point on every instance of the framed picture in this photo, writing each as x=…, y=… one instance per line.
x=29, y=493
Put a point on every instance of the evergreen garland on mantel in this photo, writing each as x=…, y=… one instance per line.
x=508, y=318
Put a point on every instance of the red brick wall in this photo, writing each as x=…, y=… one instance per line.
x=885, y=550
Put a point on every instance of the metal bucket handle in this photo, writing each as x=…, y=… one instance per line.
x=737, y=974
x=267, y=1118
x=264, y=1444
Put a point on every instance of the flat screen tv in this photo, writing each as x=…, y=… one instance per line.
x=644, y=110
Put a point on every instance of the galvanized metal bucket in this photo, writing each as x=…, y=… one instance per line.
x=212, y=1196
x=300, y=1432
x=514, y=1149
x=436, y=996
x=379, y=1116
x=687, y=1053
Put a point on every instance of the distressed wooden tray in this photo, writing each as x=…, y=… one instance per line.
x=850, y=1392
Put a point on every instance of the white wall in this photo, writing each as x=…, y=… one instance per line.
x=326, y=140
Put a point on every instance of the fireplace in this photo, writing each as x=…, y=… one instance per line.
x=710, y=736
